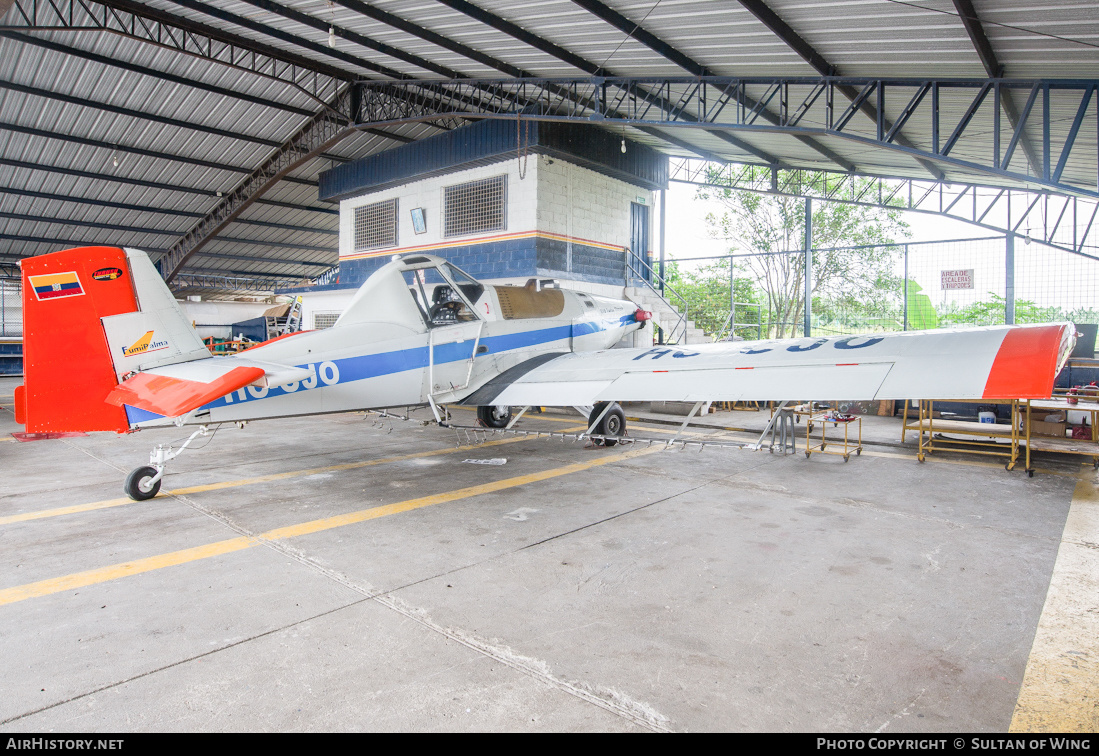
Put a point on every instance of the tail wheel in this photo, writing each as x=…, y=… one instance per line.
x=494, y=416
x=137, y=484
x=612, y=424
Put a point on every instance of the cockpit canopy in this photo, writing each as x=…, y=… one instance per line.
x=418, y=291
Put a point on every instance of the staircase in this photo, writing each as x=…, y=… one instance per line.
x=641, y=283
x=665, y=315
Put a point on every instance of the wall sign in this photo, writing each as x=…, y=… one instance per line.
x=957, y=279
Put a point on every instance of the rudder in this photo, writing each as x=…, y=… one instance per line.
x=67, y=364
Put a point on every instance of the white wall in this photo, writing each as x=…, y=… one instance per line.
x=214, y=318
x=428, y=194
x=587, y=206
x=323, y=302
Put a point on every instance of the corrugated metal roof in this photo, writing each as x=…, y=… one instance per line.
x=169, y=112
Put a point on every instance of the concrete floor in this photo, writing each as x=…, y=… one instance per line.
x=570, y=589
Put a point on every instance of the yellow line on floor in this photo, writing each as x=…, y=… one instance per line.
x=107, y=504
x=1060, y=690
x=138, y=566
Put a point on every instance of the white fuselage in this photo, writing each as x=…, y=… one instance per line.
x=377, y=362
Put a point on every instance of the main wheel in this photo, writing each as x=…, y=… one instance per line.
x=612, y=424
x=137, y=485
x=494, y=416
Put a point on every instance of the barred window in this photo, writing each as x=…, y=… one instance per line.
x=376, y=225
x=475, y=206
x=324, y=319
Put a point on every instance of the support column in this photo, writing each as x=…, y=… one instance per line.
x=905, y=288
x=732, y=300
x=808, y=308
x=1009, y=278
x=663, y=219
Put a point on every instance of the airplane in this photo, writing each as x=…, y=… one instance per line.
x=107, y=348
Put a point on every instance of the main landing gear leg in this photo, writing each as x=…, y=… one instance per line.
x=144, y=482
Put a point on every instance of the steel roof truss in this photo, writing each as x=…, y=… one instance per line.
x=967, y=117
x=1018, y=133
x=1077, y=122
x=909, y=109
x=920, y=195
x=153, y=73
x=612, y=100
x=854, y=107
x=145, y=24
x=320, y=132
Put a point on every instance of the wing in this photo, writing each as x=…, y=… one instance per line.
x=175, y=390
x=1004, y=362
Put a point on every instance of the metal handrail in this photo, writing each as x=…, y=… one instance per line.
x=630, y=258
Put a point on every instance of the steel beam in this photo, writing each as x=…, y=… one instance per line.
x=153, y=73
x=108, y=177
x=589, y=67
x=122, y=148
x=650, y=40
x=320, y=132
x=141, y=22
x=794, y=41
x=1065, y=223
x=352, y=36
x=521, y=34
x=108, y=108
x=233, y=284
x=275, y=33
x=277, y=244
x=271, y=260
x=613, y=101
x=973, y=27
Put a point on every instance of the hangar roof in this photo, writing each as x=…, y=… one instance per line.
x=127, y=122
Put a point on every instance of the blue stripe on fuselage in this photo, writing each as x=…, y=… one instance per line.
x=386, y=363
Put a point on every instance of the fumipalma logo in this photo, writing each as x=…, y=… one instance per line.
x=143, y=345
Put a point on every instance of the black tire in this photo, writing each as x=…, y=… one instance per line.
x=493, y=416
x=134, y=484
x=612, y=424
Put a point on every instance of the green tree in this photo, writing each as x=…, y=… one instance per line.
x=706, y=293
x=769, y=225
x=991, y=311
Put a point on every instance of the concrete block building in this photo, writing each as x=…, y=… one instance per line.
x=501, y=201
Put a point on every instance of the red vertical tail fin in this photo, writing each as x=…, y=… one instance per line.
x=67, y=365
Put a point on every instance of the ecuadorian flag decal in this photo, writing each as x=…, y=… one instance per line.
x=56, y=285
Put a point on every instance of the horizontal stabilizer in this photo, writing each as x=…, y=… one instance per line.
x=174, y=390
x=172, y=397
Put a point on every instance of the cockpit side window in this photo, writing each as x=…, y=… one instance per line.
x=471, y=288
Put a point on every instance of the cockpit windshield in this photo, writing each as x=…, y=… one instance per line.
x=444, y=294
x=470, y=287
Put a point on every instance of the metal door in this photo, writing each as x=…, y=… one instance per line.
x=451, y=350
x=639, y=239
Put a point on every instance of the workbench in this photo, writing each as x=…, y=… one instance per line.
x=1085, y=446
x=986, y=437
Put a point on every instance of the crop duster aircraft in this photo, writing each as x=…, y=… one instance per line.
x=107, y=348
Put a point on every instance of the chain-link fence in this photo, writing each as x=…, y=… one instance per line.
x=876, y=288
x=11, y=308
